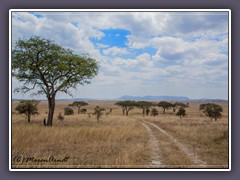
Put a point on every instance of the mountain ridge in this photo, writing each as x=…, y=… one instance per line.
x=166, y=98
x=133, y=98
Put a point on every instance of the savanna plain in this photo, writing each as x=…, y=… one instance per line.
x=120, y=141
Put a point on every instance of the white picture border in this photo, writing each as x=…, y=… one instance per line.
x=118, y=10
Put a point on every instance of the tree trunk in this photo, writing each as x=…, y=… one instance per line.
x=79, y=109
x=127, y=112
x=164, y=111
x=29, y=117
x=123, y=110
x=51, y=108
x=147, y=112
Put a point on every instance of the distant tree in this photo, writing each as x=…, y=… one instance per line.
x=83, y=111
x=28, y=108
x=98, y=112
x=126, y=106
x=144, y=105
x=147, y=111
x=154, y=112
x=123, y=110
x=211, y=110
x=68, y=111
x=179, y=105
x=165, y=105
x=41, y=63
x=181, y=112
x=79, y=104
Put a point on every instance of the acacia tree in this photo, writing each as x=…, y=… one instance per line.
x=164, y=105
x=179, y=105
x=181, y=112
x=154, y=112
x=28, y=108
x=126, y=105
x=41, y=63
x=79, y=104
x=144, y=105
x=98, y=112
x=211, y=110
x=68, y=111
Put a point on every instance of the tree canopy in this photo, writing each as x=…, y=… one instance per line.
x=211, y=110
x=181, y=112
x=179, y=105
x=79, y=104
x=164, y=105
x=98, y=112
x=28, y=108
x=154, y=112
x=126, y=105
x=41, y=63
x=144, y=105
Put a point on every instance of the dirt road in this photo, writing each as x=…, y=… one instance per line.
x=168, y=151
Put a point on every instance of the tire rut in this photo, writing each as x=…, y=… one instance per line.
x=156, y=162
x=193, y=157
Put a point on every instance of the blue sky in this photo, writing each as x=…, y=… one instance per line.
x=140, y=53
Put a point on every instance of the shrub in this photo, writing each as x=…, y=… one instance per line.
x=98, y=112
x=181, y=112
x=68, y=111
x=28, y=108
x=211, y=110
x=154, y=112
x=165, y=105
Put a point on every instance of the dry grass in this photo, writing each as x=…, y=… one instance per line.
x=114, y=142
x=117, y=141
x=206, y=138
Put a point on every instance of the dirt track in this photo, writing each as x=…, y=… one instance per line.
x=166, y=147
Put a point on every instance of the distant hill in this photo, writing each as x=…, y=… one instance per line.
x=73, y=99
x=134, y=98
x=77, y=99
x=165, y=98
x=213, y=100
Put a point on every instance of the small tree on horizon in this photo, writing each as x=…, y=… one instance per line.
x=126, y=106
x=154, y=112
x=211, y=110
x=165, y=105
x=144, y=105
x=79, y=104
x=28, y=108
x=181, y=112
x=179, y=105
x=98, y=112
x=147, y=111
x=68, y=111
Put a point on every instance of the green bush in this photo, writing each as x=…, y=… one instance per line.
x=68, y=111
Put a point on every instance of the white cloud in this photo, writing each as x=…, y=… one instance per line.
x=115, y=51
x=99, y=45
x=191, y=48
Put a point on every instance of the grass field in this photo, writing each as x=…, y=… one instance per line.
x=118, y=141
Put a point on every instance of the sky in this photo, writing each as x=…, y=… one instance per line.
x=139, y=53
